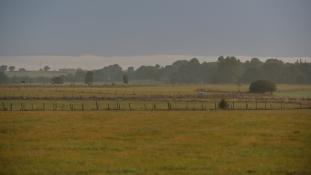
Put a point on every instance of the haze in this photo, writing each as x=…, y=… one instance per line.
x=136, y=32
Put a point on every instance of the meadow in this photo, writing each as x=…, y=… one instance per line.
x=167, y=142
x=117, y=130
x=135, y=90
x=148, y=97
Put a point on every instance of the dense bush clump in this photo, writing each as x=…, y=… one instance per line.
x=58, y=79
x=223, y=104
x=262, y=86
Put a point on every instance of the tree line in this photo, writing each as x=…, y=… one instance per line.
x=225, y=70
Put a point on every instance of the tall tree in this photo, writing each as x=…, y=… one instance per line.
x=22, y=70
x=11, y=68
x=125, y=79
x=58, y=79
x=46, y=68
x=89, y=78
x=273, y=69
x=3, y=78
x=3, y=68
x=228, y=70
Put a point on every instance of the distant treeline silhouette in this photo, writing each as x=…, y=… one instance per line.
x=224, y=70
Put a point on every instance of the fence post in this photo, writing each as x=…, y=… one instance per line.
x=22, y=106
x=54, y=107
x=11, y=107
x=108, y=107
x=154, y=107
x=97, y=107
x=215, y=105
x=130, y=107
x=3, y=106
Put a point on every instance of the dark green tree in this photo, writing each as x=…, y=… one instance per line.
x=3, y=68
x=79, y=75
x=262, y=86
x=22, y=70
x=58, y=79
x=125, y=79
x=223, y=104
x=228, y=70
x=89, y=78
x=46, y=68
x=3, y=78
x=11, y=68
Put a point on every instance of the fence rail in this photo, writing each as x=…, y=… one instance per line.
x=149, y=106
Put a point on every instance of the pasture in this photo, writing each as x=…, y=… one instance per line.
x=134, y=90
x=215, y=142
x=153, y=129
x=148, y=97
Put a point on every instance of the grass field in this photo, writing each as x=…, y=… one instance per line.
x=220, y=142
x=134, y=90
x=296, y=94
x=145, y=97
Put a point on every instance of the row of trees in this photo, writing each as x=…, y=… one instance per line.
x=4, y=68
x=224, y=70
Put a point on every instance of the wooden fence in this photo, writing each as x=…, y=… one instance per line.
x=149, y=106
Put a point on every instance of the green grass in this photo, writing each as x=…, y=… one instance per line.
x=296, y=94
x=164, y=143
x=133, y=90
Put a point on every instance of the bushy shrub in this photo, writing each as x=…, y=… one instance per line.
x=223, y=104
x=58, y=80
x=262, y=86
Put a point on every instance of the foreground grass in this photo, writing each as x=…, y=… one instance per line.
x=254, y=142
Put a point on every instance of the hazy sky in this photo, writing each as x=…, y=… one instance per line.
x=148, y=27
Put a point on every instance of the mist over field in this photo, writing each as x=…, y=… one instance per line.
x=145, y=87
x=97, y=62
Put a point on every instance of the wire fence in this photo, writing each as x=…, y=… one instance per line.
x=149, y=106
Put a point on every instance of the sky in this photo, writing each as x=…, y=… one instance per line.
x=115, y=29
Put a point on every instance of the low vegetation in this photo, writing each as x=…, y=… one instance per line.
x=223, y=104
x=144, y=129
x=164, y=143
x=225, y=70
x=262, y=86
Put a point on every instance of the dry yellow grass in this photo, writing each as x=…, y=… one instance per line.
x=222, y=142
